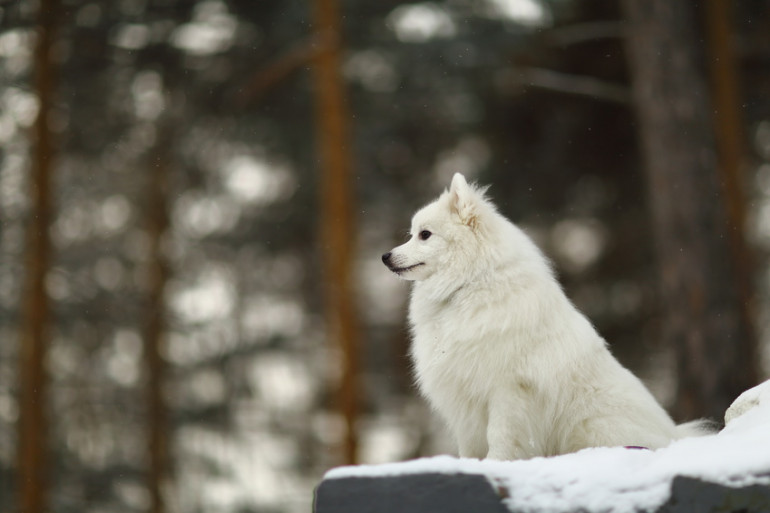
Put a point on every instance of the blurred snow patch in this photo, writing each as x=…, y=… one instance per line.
x=386, y=440
x=383, y=292
x=374, y=70
x=530, y=13
x=264, y=317
x=211, y=297
x=579, y=242
x=469, y=157
x=252, y=179
x=147, y=93
x=418, y=23
x=16, y=47
x=200, y=215
x=131, y=36
x=211, y=31
x=282, y=382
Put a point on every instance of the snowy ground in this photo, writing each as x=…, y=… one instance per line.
x=617, y=479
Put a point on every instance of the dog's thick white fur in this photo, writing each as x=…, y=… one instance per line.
x=515, y=370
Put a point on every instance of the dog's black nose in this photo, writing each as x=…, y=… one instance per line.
x=386, y=258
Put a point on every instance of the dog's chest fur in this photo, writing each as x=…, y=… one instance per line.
x=459, y=349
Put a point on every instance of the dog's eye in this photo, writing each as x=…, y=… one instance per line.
x=425, y=235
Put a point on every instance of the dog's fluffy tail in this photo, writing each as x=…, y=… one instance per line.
x=700, y=427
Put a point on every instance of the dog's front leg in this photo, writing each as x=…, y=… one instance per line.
x=507, y=431
x=471, y=445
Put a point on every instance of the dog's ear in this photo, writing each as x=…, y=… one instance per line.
x=463, y=200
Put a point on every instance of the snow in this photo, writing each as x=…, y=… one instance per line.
x=757, y=401
x=617, y=479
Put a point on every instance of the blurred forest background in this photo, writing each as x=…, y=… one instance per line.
x=194, y=195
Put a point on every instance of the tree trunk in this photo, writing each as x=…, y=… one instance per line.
x=33, y=440
x=703, y=311
x=336, y=217
x=730, y=140
x=156, y=365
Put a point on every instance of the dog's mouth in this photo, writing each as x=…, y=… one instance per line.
x=401, y=270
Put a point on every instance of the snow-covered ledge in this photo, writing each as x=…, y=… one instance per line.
x=725, y=472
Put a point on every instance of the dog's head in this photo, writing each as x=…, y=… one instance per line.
x=443, y=233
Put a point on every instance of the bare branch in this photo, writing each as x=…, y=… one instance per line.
x=585, y=32
x=276, y=71
x=568, y=84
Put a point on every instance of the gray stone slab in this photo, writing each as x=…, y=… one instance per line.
x=693, y=495
x=417, y=493
x=472, y=493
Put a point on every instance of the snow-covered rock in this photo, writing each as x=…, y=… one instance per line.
x=607, y=479
x=757, y=401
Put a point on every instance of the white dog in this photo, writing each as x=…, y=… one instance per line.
x=515, y=370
